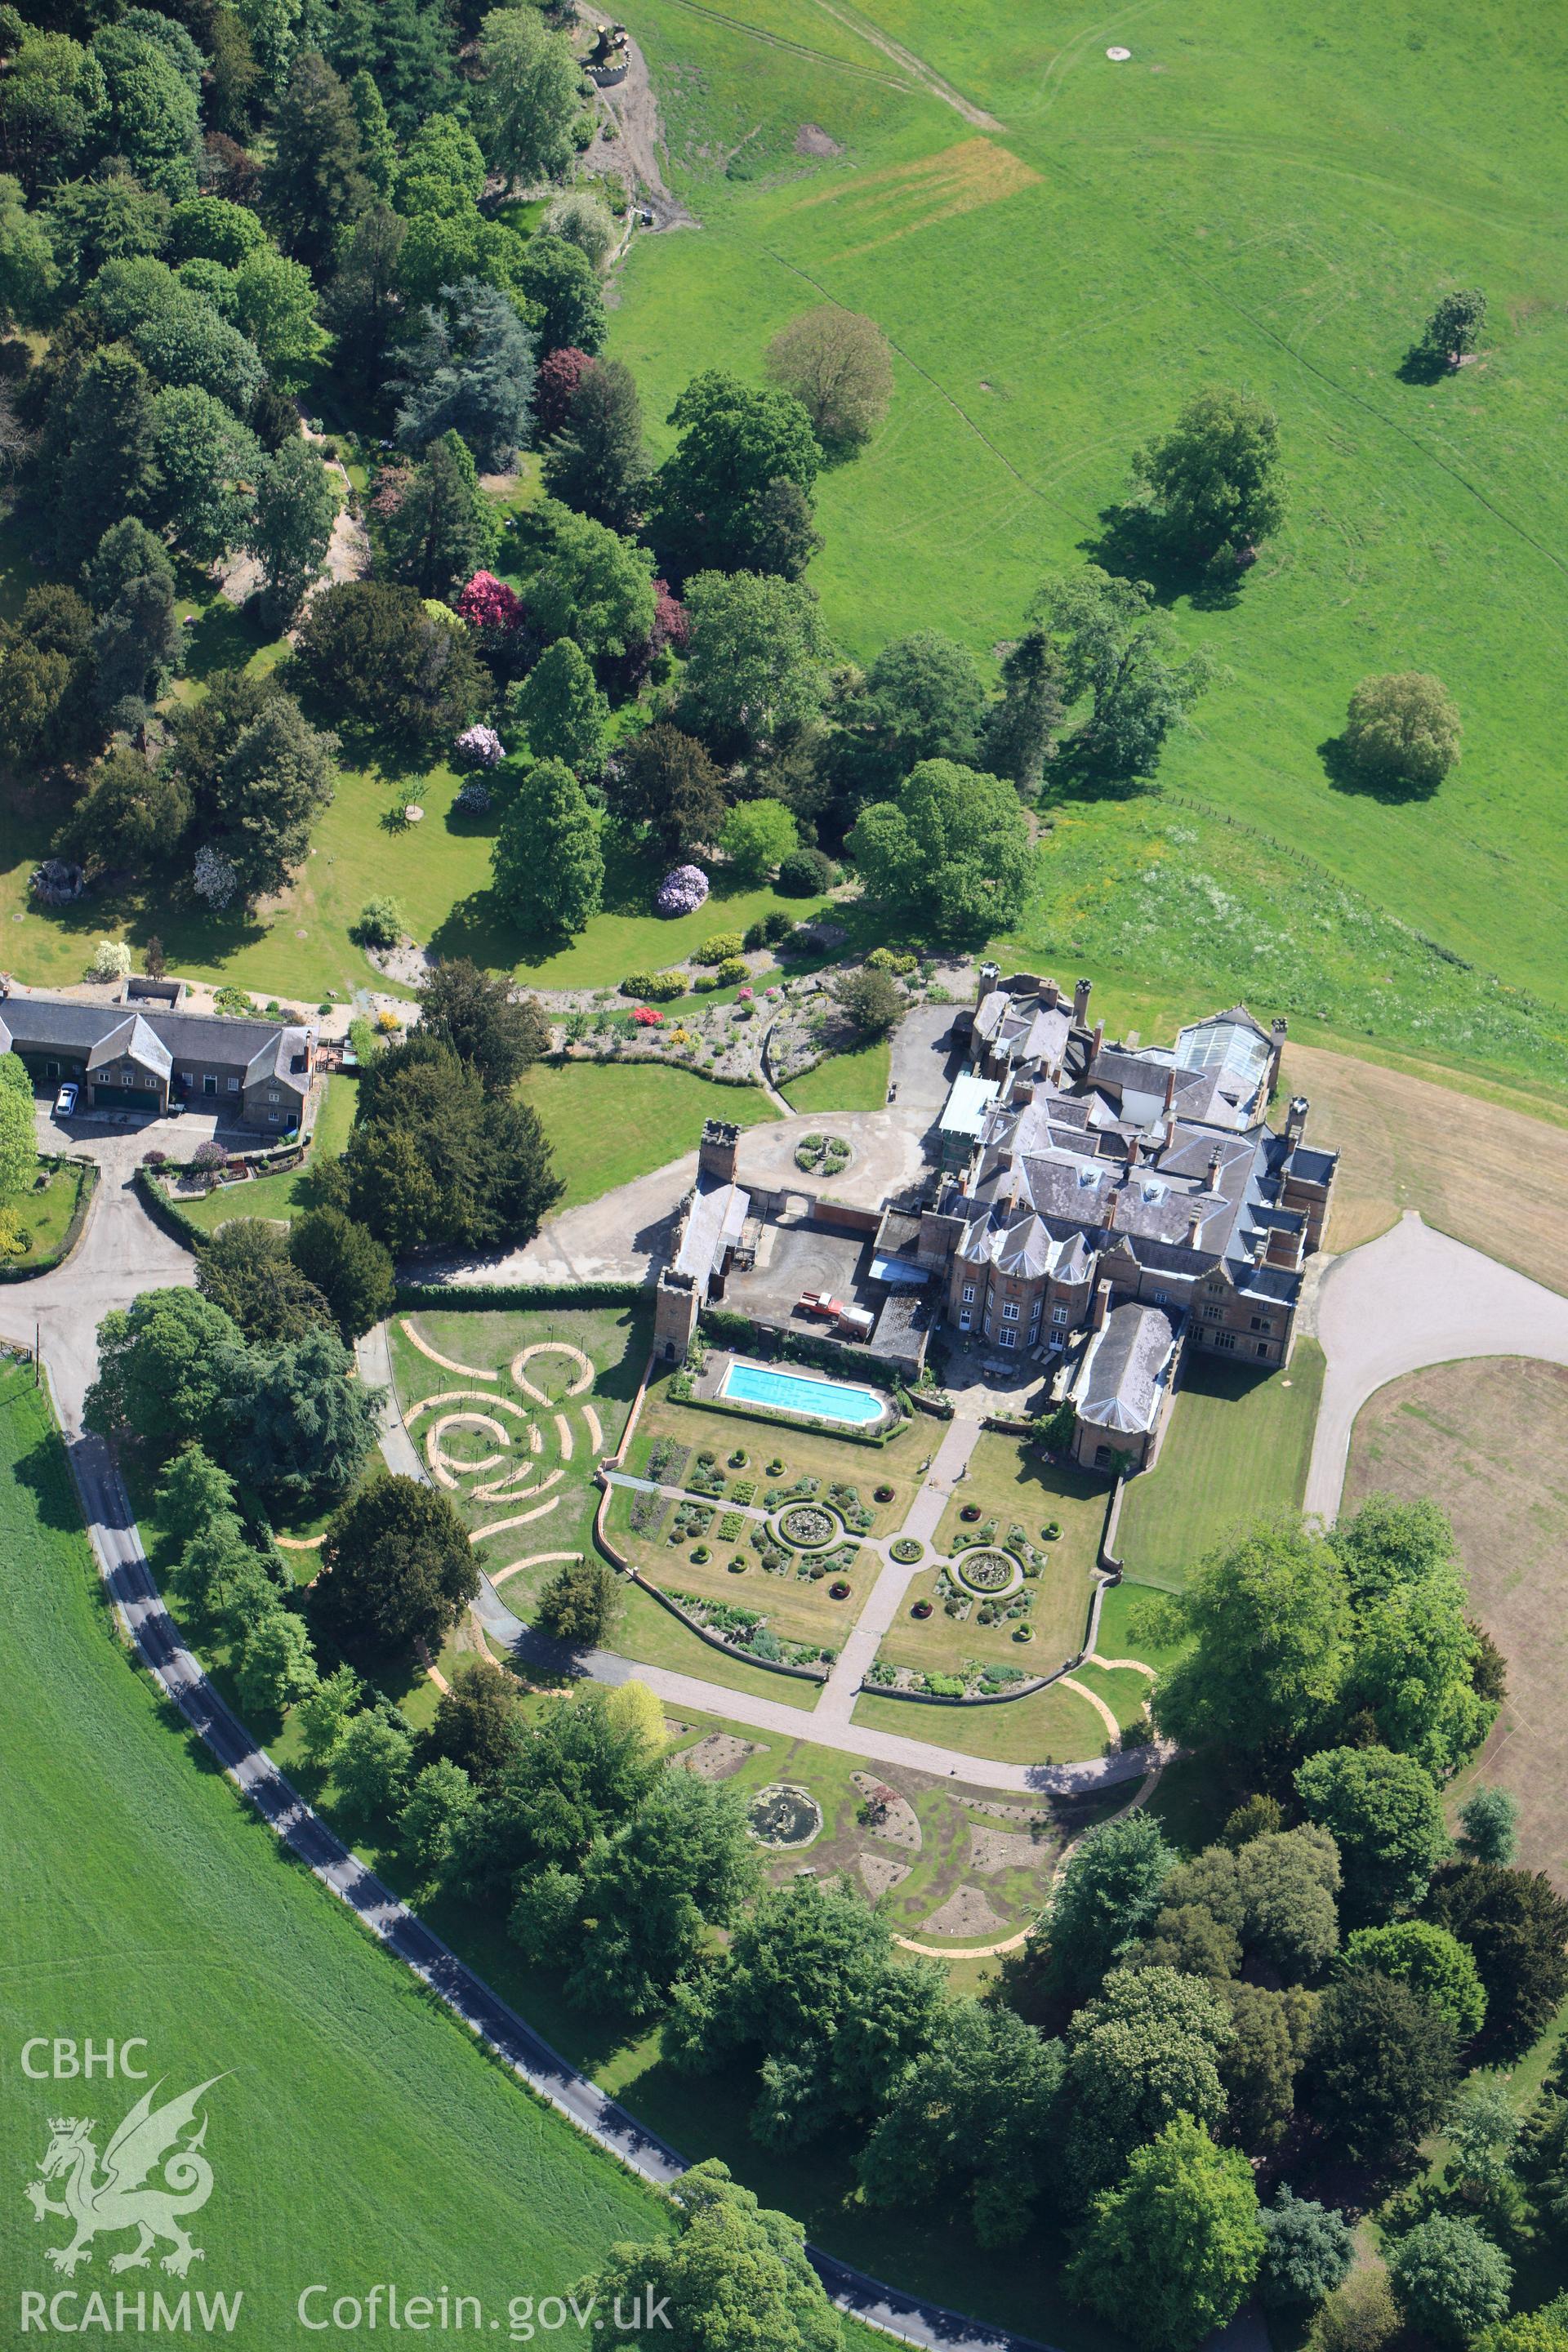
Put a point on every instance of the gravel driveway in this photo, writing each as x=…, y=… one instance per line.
x=1411, y=1298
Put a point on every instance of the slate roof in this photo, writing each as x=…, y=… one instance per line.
x=261, y=1049
x=1119, y=1384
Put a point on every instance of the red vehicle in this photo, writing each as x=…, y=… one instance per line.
x=818, y=1302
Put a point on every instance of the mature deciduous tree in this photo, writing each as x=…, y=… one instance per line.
x=1126, y=656
x=528, y=101
x=951, y=858
x=1432, y=1963
x=735, y=495
x=479, y=1723
x=592, y=585
x=736, y=2274
x=1516, y=1923
x=439, y=1803
x=758, y=835
x=1213, y=485
x=838, y=364
x=1270, y=1624
x=756, y=659
x=809, y=1994
x=1147, y=2049
x=1403, y=729
x=975, y=2113
x=159, y=1372
x=922, y=699
x=1171, y=2253
x=1386, y=1819
x=1448, y=2279
x=561, y=288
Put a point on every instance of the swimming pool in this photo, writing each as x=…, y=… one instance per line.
x=802, y=1393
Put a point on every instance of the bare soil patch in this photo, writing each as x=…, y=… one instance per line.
x=893, y=1818
x=968, y=1911
x=1489, y=1441
x=811, y=140
x=718, y=1757
x=1490, y=1175
x=994, y=1850
x=879, y=1874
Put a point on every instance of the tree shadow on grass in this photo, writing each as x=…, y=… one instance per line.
x=1080, y=773
x=226, y=637
x=1128, y=546
x=1424, y=367
x=1346, y=774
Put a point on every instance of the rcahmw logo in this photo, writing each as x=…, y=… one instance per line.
x=151, y=2179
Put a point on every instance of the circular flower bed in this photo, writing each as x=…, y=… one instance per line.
x=921, y=1609
x=906, y=1548
x=970, y=1513
x=808, y=1526
x=699, y=1553
x=884, y=1494
x=738, y=1565
x=775, y=1469
x=738, y=1459
x=1022, y=1633
x=784, y=1816
x=839, y=1590
x=1051, y=1530
x=987, y=1572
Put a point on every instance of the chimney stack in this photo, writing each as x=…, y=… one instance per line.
x=1216, y=1156
x=989, y=974
x=1080, y=1001
x=1109, y=1206
x=1050, y=996
x=1194, y=1229
x=1296, y=1118
x=1170, y=1091
x=1101, y=1306
x=1096, y=1041
x=1133, y=1148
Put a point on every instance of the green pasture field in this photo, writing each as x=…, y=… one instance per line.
x=1272, y=200
x=1236, y=1448
x=145, y=1899
x=609, y=1122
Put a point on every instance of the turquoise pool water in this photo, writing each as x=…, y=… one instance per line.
x=800, y=1392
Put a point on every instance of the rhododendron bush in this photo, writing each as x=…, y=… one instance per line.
x=682, y=891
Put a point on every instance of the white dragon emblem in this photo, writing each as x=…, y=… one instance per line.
x=121, y=2198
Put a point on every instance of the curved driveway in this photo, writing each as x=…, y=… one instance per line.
x=1411, y=1298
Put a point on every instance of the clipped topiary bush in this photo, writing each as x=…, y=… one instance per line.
x=718, y=946
x=655, y=987
x=735, y=968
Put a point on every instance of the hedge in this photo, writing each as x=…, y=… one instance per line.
x=72, y=1235
x=419, y=1295
x=168, y=1214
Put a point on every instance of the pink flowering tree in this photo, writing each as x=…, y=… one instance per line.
x=487, y=603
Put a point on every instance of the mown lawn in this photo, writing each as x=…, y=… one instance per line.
x=1237, y=1447
x=609, y=1122
x=1272, y=201
x=121, y=1846
x=1050, y=1726
x=45, y=1212
x=857, y=1081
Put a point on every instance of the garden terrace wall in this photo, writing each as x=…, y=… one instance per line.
x=72, y=1235
x=979, y=1698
